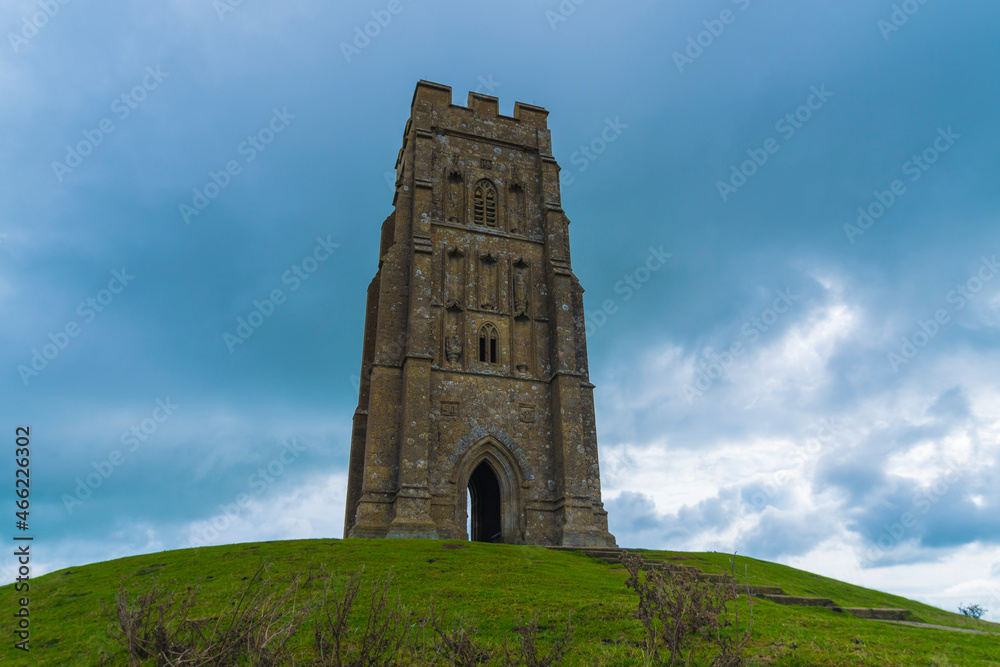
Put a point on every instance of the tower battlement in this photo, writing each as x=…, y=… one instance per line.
x=430, y=95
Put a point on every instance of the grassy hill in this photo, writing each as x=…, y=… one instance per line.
x=494, y=587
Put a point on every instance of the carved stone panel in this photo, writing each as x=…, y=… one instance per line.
x=453, y=348
x=488, y=270
x=454, y=282
x=516, y=209
x=526, y=413
x=522, y=295
x=455, y=197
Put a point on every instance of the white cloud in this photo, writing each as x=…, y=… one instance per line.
x=764, y=462
x=313, y=509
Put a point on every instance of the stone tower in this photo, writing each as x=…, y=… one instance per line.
x=474, y=380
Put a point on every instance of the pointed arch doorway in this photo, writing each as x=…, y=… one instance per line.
x=485, y=505
x=489, y=503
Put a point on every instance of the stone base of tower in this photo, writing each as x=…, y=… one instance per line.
x=585, y=525
x=412, y=515
x=407, y=529
x=405, y=516
x=594, y=539
x=368, y=532
x=374, y=514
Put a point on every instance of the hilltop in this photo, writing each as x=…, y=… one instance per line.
x=495, y=588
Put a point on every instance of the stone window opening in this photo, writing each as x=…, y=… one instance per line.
x=484, y=209
x=489, y=344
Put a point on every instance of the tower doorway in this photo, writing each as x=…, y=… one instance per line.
x=485, y=522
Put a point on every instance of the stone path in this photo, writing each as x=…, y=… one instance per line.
x=771, y=593
x=942, y=627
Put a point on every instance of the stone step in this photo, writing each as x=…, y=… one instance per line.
x=661, y=567
x=665, y=566
x=611, y=555
x=607, y=558
x=878, y=614
x=800, y=601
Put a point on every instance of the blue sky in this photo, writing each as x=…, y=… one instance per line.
x=811, y=377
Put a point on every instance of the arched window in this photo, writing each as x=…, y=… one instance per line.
x=489, y=344
x=484, y=209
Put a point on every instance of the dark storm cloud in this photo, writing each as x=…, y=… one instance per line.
x=960, y=506
x=956, y=505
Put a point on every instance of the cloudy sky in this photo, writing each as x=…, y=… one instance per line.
x=812, y=377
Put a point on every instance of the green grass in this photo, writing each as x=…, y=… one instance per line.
x=494, y=587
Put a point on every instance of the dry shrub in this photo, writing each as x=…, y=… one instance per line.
x=154, y=623
x=387, y=631
x=457, y=646
x=350, y=630
x=679, y=613
x=527, y=653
